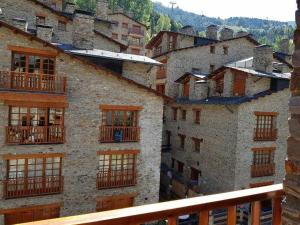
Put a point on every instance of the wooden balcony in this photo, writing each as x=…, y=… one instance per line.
x=18, y=188
x=109, y=134
x=33, y=82
x=170, y=211
x=134, y=31
x=29, y=135
x=115, y=179
x=265, y=134
x=263, y=170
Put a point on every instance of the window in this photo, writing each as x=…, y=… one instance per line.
x=182, y=140
x=162, y=70
x=173, y=163
x=212, y=49
x=197, y=142
x=265, y=126
x=41, y=20
x=120, y=124
x=195, y=174
x=168, y=134
x=171, y=42
x=220, y=85
x=212, y=68
x=180, y=167
x=115, y=23
x=116, y=168
x=160, y=88
x=175, y=113
x=263, y=162
x=186, y=89
x=225, y=50
x=183, y=114
x=239, y=84
x=125, y=25
x=136, y=29
x=32, y=125
x=62, y=26
x=135, y=51
x=27, y=63
x=29, y=175
x=197, y=114
x=115, y=36
x=124, y=37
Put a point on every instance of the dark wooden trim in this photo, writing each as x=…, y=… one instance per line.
x=33, y=51
x=34, y=207
x=30, y=156
x=121, y=107
x=265, y=113
x=117, y=152
x=129, y=195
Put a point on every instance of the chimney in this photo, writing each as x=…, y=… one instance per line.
x=83, y=34
x=226, y=33
x=241, y=33
x=102, y=9
x=212, y=32
x=284, y=46
x=44, y=32
x=20, y=23
x=70, y=8
x=189, y=30
x=263, y=58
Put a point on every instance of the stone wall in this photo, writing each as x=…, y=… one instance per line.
x=201, y=58
x=216, y=160
x=119, y=30
x=87, y=89
x=277, y=102
x=291, y=207
x=141, y=73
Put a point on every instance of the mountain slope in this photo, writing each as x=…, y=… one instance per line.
x=266, y=31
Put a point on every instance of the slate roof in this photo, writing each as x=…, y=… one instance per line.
x=226, y=100
x=98, y=53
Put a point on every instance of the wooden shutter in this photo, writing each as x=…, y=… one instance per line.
x=239, y=86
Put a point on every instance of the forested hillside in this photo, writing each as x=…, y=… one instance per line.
x=159, y=17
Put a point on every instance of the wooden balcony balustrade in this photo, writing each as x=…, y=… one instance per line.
x=18, y=188
x=111, y=134
x=262, y=170
x=10, y=80
x=173, y=209
x=54, y=134
x=265, y=134
x=136, y=31
x=115, y=179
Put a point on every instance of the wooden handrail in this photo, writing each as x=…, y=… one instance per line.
x=263, y=134
x=171, y=210
x=11, y=80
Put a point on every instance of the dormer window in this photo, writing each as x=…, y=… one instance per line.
x=40, y=20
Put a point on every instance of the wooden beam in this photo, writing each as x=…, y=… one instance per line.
x=31, y=156
x=231, y=218
x=277, y=211
x=26, y=208
x=121, y=107
x=116, y=152
x=204, y=217
x=34, y=51
x=255, y=213
x=33, y=99
x=266, y=113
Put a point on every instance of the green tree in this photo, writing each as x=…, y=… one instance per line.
x=163, y=23
x=88, y=5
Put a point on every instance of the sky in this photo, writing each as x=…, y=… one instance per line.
x=281, y=10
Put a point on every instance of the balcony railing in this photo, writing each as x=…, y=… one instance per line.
x=170, y=211
x=135, y=31
x=28, y=135
x=110, y=134
x=263, y=134
x=32, y=82
x=115, y=179
x=262, y=170
x=18, y=188
x=136, y=43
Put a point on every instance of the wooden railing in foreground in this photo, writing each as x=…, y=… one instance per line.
x=173, y=209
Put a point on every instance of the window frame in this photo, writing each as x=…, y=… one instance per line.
x=59, y=27
x=183, y=114
x=197, y=116
x=225, y=50
x=182, y=138
x=197, y=144
x=212, y=49
x=175, y=113
x=266, y=126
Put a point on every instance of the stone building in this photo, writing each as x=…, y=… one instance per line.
x=228, y=130
x=75, y=136
x=128, y=31
x=62, y=23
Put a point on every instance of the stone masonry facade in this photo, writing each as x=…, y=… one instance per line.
x=88, y=88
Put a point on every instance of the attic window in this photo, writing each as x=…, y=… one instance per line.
x=40, y=20
x=62, y=26
x=225, y=50
x=212, y=49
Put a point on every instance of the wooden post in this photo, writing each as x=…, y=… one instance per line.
x=204, y=218
x=231, y=215
x=255, y=213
